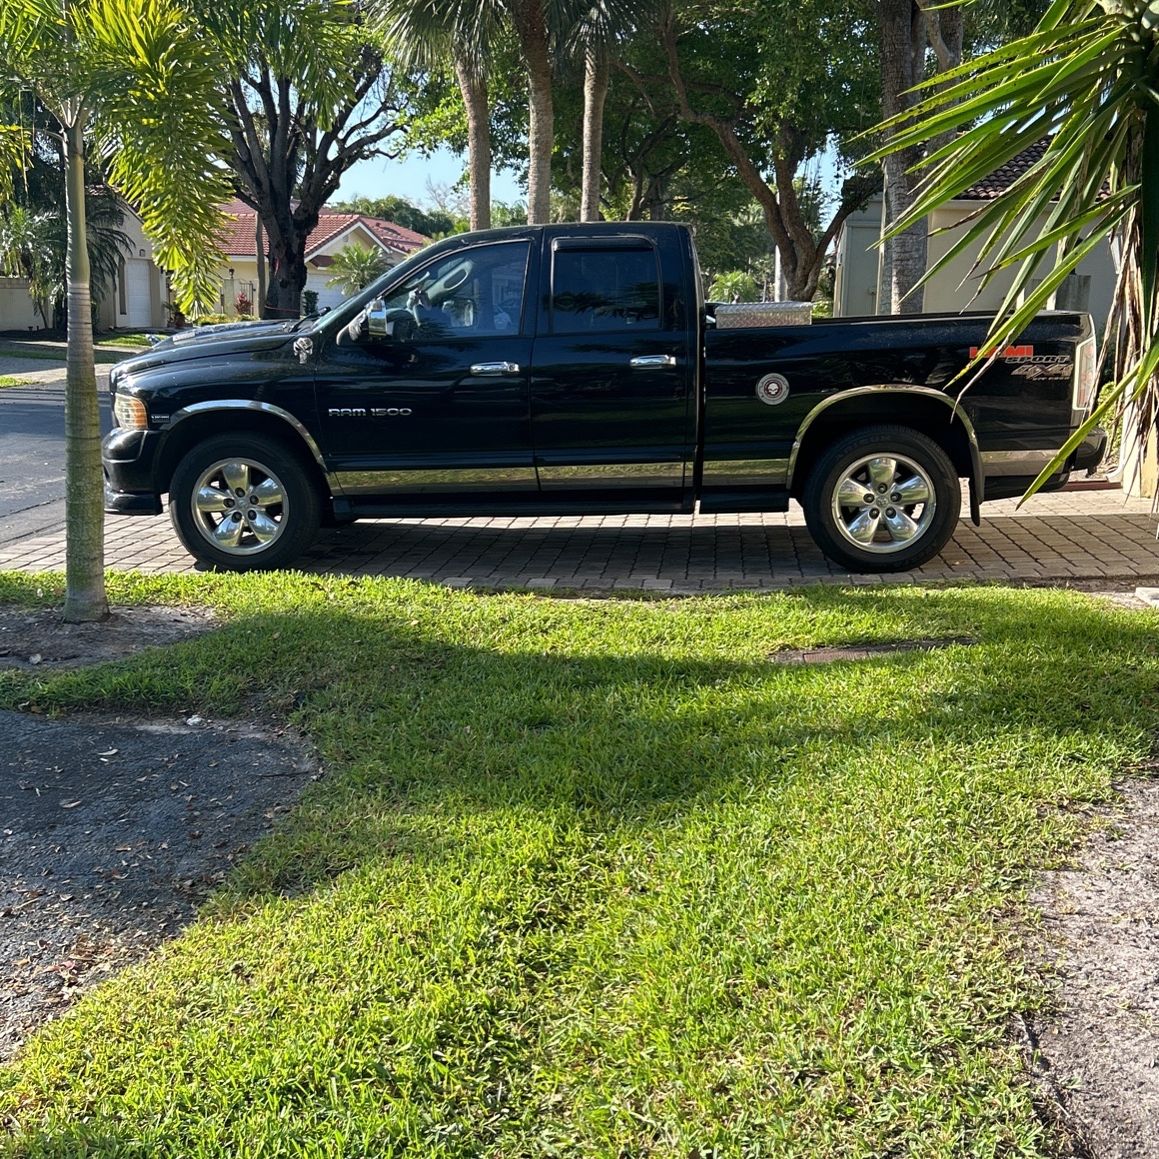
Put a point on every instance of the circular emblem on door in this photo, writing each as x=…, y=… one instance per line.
x=772, y=389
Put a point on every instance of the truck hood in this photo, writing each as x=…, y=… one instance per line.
x=224, y=339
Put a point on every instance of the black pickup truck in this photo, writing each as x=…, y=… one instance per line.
x=578, y=369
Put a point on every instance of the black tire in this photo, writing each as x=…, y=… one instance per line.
x=865, y=521
x=265, y=519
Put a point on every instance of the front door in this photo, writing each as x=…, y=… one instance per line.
x=438, y=408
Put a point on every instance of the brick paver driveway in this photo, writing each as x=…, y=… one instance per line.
x=1078, y=535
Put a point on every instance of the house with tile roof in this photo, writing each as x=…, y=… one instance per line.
x=335, y=230
x=136, y=300
x=858, y=289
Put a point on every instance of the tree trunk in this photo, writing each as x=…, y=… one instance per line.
x=531, y=28
x=903, y=44
x=596, y=76
x=260, y=247
x=287, y=275
x=84, y=599
x=473, y=86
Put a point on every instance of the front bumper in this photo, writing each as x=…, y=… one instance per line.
x=128, y=459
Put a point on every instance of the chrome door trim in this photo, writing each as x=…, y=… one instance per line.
x=999, y=463
x=433, y=480
x=745, y=473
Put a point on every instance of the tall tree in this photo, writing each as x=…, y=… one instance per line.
x=1086, y=83
x=136, y=77
x=535, y=34
x=776, y=82
x=595, y=37
x=310, y=94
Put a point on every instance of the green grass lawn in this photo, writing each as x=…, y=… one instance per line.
x=595, y=878
x=138, y=339
x=9, y=380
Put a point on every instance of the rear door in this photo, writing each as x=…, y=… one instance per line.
x=613, y=376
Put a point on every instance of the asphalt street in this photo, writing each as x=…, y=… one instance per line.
x=32, y=455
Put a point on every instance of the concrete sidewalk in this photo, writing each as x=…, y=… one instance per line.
x=1071, y=537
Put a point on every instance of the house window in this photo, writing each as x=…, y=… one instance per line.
x=122, y=299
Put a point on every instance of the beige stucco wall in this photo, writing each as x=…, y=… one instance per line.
x=857, y=291
x=143, y=309
x=17, y=310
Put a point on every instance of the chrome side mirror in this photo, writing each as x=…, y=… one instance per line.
x=377, y=325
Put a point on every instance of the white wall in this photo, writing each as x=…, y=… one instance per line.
x=17, y=310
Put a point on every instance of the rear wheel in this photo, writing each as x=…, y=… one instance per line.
x=243, y=503
x=882, y=499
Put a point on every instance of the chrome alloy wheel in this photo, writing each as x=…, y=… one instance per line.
x=883, y=503
x=239, y=506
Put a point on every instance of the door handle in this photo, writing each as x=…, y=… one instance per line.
x=652, y=361
x=494, y=369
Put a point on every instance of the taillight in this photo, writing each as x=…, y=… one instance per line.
x=1085, y=373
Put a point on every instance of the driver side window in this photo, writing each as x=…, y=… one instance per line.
x=474, y=292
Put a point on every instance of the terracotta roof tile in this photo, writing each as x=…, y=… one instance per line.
x=236, y=236
x=1001, y=179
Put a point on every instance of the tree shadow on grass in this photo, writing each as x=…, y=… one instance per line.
x=414, y=722
x=506, y=791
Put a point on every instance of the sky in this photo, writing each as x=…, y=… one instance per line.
x=411, y=177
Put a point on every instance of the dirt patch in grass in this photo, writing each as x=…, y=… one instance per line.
x=1099, y=1051
x=112, y=831
x=39, y=637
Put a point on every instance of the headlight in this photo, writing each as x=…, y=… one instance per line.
x=130, y=412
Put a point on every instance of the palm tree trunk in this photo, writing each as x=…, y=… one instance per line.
x=596, y=75
x=903, y=43
x=473, y=86
x=533, y=36
x=84, y=599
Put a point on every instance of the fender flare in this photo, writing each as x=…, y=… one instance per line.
x=977, y=475
x=244, y=404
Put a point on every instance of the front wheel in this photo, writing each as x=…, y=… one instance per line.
x=243, y=503
x=882, y=499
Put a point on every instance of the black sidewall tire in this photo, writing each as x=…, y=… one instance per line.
x=304, y=504
x=899, y=442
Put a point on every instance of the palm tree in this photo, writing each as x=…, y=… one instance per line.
x=26, y=253
x=423, y=33
x=1085, y=83
x=136, y=78
x=355, y=266
x=734, y=286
